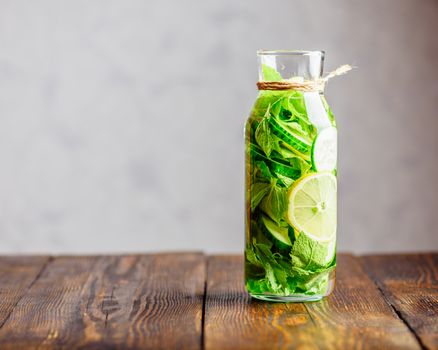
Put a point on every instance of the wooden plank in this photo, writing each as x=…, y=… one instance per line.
x=354, y=316
x=233, y=321
x=48, y=314
x=16, y=276
x=129, y=302
x=145, y=302
x=410, y=284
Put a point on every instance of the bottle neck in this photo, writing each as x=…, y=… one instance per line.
x=290, y=65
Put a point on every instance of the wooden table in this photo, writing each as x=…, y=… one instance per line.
x=192, y=301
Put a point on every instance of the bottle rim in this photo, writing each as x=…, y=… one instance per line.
x=263, y=52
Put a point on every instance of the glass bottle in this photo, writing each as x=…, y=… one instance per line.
x=291, y=166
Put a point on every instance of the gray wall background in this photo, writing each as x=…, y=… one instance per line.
x=121, y=121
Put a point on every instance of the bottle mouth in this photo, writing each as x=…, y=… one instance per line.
x=290, y=53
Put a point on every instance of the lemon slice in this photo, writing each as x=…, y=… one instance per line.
x=312, y=206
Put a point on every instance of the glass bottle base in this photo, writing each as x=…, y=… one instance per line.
x=297, y=298
x=287, y=299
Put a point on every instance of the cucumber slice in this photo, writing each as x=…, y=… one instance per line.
x=324, y=150
x=296, y=143
x=280, y=235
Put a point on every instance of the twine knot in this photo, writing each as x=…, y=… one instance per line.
x=300, y=84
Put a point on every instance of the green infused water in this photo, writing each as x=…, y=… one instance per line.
x=291, y=160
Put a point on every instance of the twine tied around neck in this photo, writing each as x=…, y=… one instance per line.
x=305, y=85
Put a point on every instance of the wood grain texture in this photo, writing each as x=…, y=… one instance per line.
x=125, y=302
x=410, y=284
x=48, y=315
x=156, y=302
x=354, y=316
x=17, y=274
x=145, y=302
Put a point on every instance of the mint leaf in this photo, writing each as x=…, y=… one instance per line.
x=275, y=273
x=295, y=103
x=258, y=286
x=264, y=137
x=284, y=152
x=315, y=284
x=295, y=162
x=258, y=235
x=306, y=274
x=291, y=110
x=258, y=192
x=262, y=171
x=270, y=276
x=286, y=181
x=310, y=255
x=270, y=74
x=275, y=203
x=299, y=164
x=252, y=257
x=300, y=127
x=296, y=127
x=275, y=109
x=265, y=99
